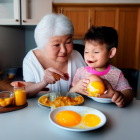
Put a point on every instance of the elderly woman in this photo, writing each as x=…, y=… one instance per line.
x=54, y=54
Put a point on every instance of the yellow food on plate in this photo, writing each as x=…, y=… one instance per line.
x=91, y=120
x=61, y=101
x=44, y=100
x=69, y=118
x=6, y=101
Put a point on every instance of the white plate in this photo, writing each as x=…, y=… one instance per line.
x=44, y=107
x=101, y=100
x=78, y=109
x=52, y=96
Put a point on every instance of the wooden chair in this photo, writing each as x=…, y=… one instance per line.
x=132, y=76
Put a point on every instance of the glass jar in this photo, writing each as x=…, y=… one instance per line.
x=19, y=96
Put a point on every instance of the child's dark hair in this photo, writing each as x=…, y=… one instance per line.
x=102, y=34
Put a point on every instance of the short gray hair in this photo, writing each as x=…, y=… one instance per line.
x=52, y=25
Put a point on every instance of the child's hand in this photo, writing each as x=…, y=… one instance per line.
x=117, y=96
x=81, y=86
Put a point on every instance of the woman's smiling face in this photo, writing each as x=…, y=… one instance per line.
x=96, y=55
x=59, y=48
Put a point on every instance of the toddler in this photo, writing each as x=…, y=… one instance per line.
x=101, y=45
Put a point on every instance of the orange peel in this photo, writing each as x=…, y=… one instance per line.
x=56, y=76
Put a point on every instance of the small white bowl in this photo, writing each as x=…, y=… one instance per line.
x=101, y=100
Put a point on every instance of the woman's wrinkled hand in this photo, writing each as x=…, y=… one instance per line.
x=81, y=86
x=49, y=76
x=116, y=96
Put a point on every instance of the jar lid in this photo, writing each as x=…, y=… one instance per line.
x=18, y=84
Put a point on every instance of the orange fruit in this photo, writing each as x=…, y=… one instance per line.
x=1, y=99
x=95, y=88
x=3, y=103
x=6, y=102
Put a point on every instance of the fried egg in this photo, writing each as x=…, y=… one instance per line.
x=68, y=118
x=81, y=120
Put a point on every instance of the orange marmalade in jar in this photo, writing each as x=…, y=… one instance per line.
x=19, y=93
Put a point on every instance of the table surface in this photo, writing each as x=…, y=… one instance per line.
x=32, y=123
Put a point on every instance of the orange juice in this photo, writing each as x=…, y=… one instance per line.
x=19, y=96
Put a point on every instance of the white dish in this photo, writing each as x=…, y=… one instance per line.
x=44, y=107
x=53, y=95
x=78, y=109
x=101, y=100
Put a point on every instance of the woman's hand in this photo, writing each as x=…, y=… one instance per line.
x=81, y=87
x=117, y=96
x=50, y=79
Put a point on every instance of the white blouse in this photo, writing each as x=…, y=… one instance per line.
x=34, y=72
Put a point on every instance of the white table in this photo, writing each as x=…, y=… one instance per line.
x=32, y=123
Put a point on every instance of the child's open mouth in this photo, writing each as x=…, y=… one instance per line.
x=90, y=61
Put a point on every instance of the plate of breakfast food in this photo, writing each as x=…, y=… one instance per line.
x=58, y=99
x=77, y=118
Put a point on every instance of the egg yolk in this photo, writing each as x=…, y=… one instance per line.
x=91, y=120
x=68, y=118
